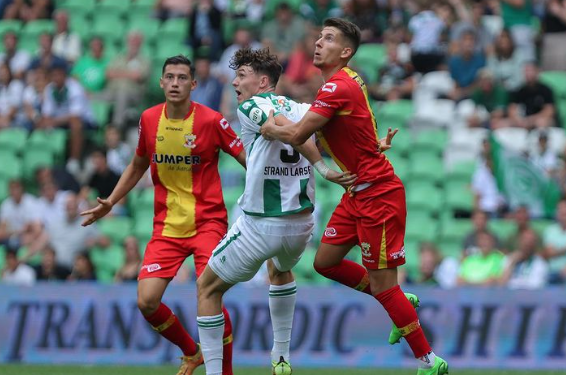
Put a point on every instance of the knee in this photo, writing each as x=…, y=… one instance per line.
x=148, y=305
x=204, y=288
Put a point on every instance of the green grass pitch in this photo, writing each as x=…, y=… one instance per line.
x=170, y=370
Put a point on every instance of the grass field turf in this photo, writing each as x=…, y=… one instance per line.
x=170, y=370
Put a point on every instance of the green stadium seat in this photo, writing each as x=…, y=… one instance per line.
x=412, y=258
x=114, y=7
x=36, y=158
x=167, y=49
x=420, y=230
x=29, y=43
x=106, y=262
x=3, y=189
x=394, y=114
x=38, y=27
x=101, y=110
x=402, y=141
x=450, y=248
x=88, y=4
x=541, y=225
x=556, y=80
x=455, y=230
x=369, y=59
x=11, y=166
x=149, y=28
x=116, y=228
x=13, y=139
x=2, y=256
x=424, y=196
x=140, y=10
x=77, y=11
x=502, y=228
x=271, y=6
x=110, y=27
x=459, y=198
x=83, y=27
x=462, y=172
x=143, y=225
x=54, y=140
x=10, y=25
x=426, y=166
x=434, y=140
x=174, y=29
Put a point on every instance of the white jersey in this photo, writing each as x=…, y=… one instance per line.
x=279, y=180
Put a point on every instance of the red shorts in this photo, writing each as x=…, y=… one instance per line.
x=164, y=255
x=374, y=220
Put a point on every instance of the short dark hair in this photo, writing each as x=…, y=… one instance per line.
x=260, y=60
x=179, y=60
x=351, y=32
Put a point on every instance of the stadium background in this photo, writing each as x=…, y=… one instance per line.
x=483, y=184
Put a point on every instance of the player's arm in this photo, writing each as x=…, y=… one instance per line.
x=292, y=133
x=131, y=176
x=241, y=158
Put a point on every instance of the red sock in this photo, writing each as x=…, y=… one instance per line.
x=348, y=273
x=403, y=314
x=227, y=349
x=167, y=325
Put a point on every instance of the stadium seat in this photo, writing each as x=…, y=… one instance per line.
x=149, y=28
x=424, y=196
x=556, y=139
x=413, y=259
x=450, y=248
x=167, y=49
x=3, y=189
x=556, y=80
x=83, y=27
x=106, y=262
x=101, y=110
x=143, y=226
x=455, y=230
x=434, y=140
x=271, y=6
x=419, y=230
x=425, y=165
x=514, y=139
x=113, y=7
x=29, y=43
x=175, y=29
x=116, y=228
x=502, y=228
x=38, y=27
x=13, y=139
x=540, y=225
x=54, y=140
x=462, y=172
x=2, y=256
x=89, y=4
x=109, y=26
x=394, y=113
x=10, y=25
x=36, y=158
x=369, y=59
x=10, y=167
x=402, y=141
x=459, y=198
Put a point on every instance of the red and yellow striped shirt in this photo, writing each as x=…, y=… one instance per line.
x=184, y=167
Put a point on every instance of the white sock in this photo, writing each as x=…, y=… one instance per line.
x=427, y=360
x=282, y=308
x=210, y=331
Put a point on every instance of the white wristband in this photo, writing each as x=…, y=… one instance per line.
x=322, y=168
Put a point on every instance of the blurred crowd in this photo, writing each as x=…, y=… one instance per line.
x=469, y=67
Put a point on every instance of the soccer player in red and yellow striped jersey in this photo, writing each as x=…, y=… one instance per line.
x=372, y=213
x=179, y=141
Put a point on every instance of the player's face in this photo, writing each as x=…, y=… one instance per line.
x=247, y=83
x=330, y=48
x=177, y=83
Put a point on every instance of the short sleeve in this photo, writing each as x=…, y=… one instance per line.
x=141, y=149
x=257, y=110
x=230, y=143
x=331, y=97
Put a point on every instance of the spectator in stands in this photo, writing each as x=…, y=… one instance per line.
x=479, y=220
x=127, y=76
x=206, y=28
x=29, y=10
x=209, y=88
x=104, y=180
x=19, y=222
x=32, y=100
x=471, y=20
x=11, y=105
x=243, y=38
x=49, y=269
x=51, y=203
x=283, y=33
x=427, y=46
x=66, y=44
x=251, y=10
x=524, y=268
x=166, y=9
x=64, y=180
x=517, y=17
x=316, y=11
x=46, y=59
x=532, y=106
x=487, y=197
x=554, y=37
x=83, y=269
x=491, y=101
x=367, y=15
x=118, y=153
x=90, y=69
x=465, y=65
x=522, y=219
x=65, y=104
x=506, y=62
x=554, y=238
x=396, y=79
x=17, y=59
x=429, y=261
x=69, y=238
x=133, y=262
x=544, y=157
x=16, y=272
x=485, y=267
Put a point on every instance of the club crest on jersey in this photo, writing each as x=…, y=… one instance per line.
x=190, y=141
x=365, y=249
x=329, y=87
x=330, y=232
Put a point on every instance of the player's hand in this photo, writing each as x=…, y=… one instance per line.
x=267, y=126
x=103, y=208
x=344, y=179
x=385, y=143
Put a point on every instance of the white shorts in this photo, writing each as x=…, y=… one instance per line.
x=252, y=240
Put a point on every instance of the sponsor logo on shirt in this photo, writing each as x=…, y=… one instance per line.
x=160, y=138
x=399, y=254
x=175, y=159
x=224, y=123
x=320, y=104
x=330, y=232
x=255, y=115
x=190, y=141
x=235, y=142
x=175, y=129
x=329, y=87
x=152, y=267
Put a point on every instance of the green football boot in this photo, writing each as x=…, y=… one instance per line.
x=282, y=367
x=440, y=368
x=395, y=335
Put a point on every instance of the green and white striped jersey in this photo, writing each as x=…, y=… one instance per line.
x=279, y=180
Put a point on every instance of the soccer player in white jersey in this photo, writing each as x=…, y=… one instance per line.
x=277, y=203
